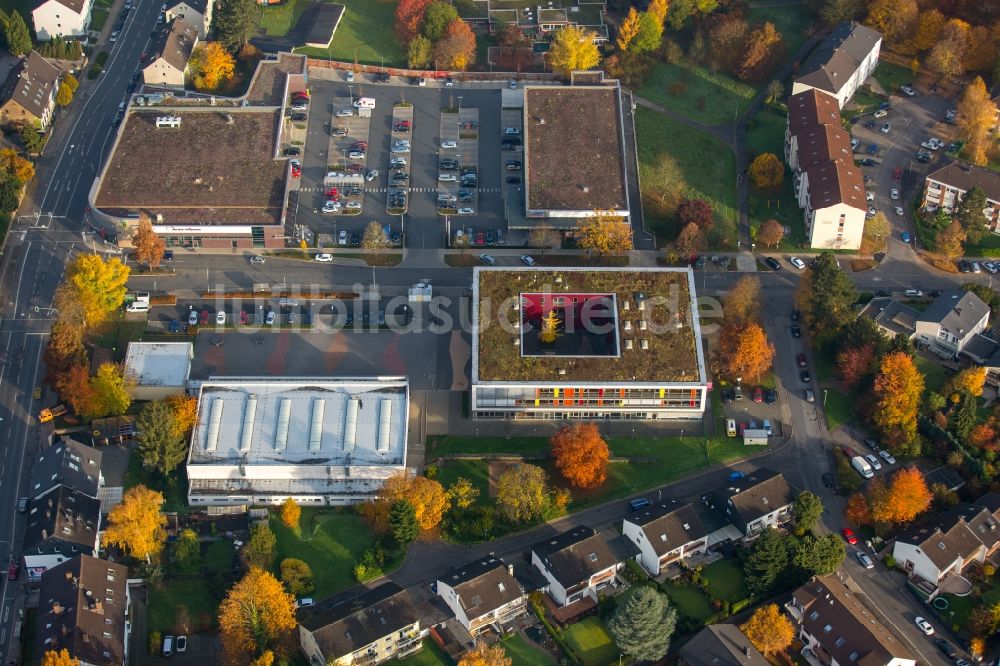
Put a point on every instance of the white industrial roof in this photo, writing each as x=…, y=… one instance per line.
x=301, y=421
x=159, y=363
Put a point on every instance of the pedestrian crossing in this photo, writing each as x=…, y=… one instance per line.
x=383, y=190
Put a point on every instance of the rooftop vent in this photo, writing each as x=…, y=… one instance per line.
x=628, y=344
x=644, y=343
x=561, y=371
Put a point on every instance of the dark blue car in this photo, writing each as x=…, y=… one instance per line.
x=175, y=326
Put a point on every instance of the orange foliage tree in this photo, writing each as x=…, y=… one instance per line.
x=857, y=509
x=185, y=413
x=769, y=630
x=456, y=49
x=767, y=171
x=486, y=655
x=898, y=387
x=628, y=30
x=909, y=495
x=770, y=233
x=855, y=362
x=211, y=66
x=148, y=245
x=290, y=514
x=429, y=499
x=136, y=524
x=256, y=613
x=581, y=454
x=744, y=352
x=409, y=16
x=59, y=658
x=983, y=436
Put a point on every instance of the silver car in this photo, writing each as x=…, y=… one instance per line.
x=864, y=560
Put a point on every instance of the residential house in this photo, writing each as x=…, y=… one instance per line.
x=720, y=645
x=66, y=463
x=576, y=565
x=842, y=63
x=61, y=18
x=946, y=186
x=828, y=186
x=60, y=526
x=757, y=501
x=951, y=325
x=29, y=93
x=483, y=594
x=83, y=606
x=168, y=66
x=377, y=626
x=196, y=13
x=664, y=533
x=839, y=630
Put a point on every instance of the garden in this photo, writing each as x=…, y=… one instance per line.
x=590, y=641
x=187, y=598
x=705, y=596
x=766, y=134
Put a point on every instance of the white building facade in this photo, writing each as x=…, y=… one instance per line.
x=62, y=18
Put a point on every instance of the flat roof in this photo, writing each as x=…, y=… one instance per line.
x=218, y=167
x=263, y=421
x=159, y=363
x=574, y=157
x=324, y=20
x=653, y=308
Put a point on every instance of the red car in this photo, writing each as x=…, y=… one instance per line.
x=204, y=318
x=480, y=238
x=849, y=535
x=12, y=570
x=360, y=145
x=849, y=452
x=333, y=192
x=244, y=317
x=758, y=395
x=802, y=360
x=897, y=173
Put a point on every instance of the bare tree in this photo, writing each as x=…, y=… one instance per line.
x=544, y=237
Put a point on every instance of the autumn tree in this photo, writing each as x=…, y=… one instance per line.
x=659, y=8
x=64, y=96
x=265, y=659
x=100, y=285
x=774, y=91
x=929, y=25
x=211, y=66
x=456, y=49
x=257, y=612
x=260, y=548
x=690, y=241
x=485, y=654
x=297, y=576
x=184, y=409
x=437, y=17
x=581, y=454
x=643, y=623
x=878, y=228
x=462, y=493
x=428, y=497
x=807, y=509
x=73, y=385
x=375, y=239
x=857, y=509
x=981, y=53
x=969, y=380
x=649, y=34
x=949, y=242
x=17, y=167
x=523, y=493
x=727, y=40
x=898, y=387
x=419, y=52
x=160, y=445
x=409, y=17
x=514, y=48
x=835, y=11
x=767, y=171
x=291, y=512
x=544, y=237
x=769, y=630
x=628, y=29
x=136, y=524
x=695, y=211
x=947, y=57
x=764, y=43
x=573, y=49
x=742, y=303
x=909, y=495
x=770, y=233
x=855, y=363
x=975, y=119
x=149, y=246
x=743, y=351
x=110, y=388
x=893, y=18
x=59, y=658
x=604, y=233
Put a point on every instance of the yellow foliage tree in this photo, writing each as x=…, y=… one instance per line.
x=256, y=612
x=99, y=285
x=20, y=168
x=604, y=233
x=64, y=95
x=462, y=493
x=110, y=389
x=149, y=246
x=185, y=413
x=970, y=379
x=976, y=646
x=975, y=119
x=486, y=655
x=136, y=525
x=59, y=658
x=428, y=497
x=266, y=659
x=767, y=171
x=628, y=30
x=211, y=66
x=898, y=388
x=659, y=8
x=769, y=630
x=573, y=49
x=550, y=327
x=290, y=514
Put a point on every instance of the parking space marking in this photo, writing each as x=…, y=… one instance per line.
x=402, y=131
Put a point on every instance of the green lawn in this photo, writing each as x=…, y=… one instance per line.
x=725, y=580
x=365, y=32
x=476, y=471
x=166, y=597
x=702, y=95
x=591, y=642
x=766, y=134
x=690, y=602
x=839, y=407
x=890, y=76
x=330, y=542
x=430, y=655
x=791, y=22
x=523, y=653
x=277, y=20
x=98, y=17
x=934, y=375
x=219, y=555
x=451, y=444
x=673, y=166
x=174, y=488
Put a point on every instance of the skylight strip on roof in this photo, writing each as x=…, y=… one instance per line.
x=249, y=412
x=316, y=430
x=351, y=424
x=214, y=423
x=281, y=431
x=384, y=425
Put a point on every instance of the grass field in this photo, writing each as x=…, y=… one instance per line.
x=839, y=408
x=365, y=32
x=430, y=655
x=166, y=597
x=791, y=22
x=673, y=166
x=174, y=488
x=935, y=376
x=689, y=601
x=725, y=580
x=708, y=97
x=890, y=76
x=766, y=134
x=330, y=542
x=277, y=20
x=523, y=653
x=591, y=642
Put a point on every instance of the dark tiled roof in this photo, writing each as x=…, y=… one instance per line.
x=821, y=143
x=357, y=623
x=956, y=311
x=200, y=6
x=574, y=556
x=891, y=315
x=835, y=183
x=759, y=493
x=483, y=586
x=945, y=475
x=32, y=84
x=812, y=108
x=176, y=44
x=845, y=628
x=964, y=177
x=324, y=24
x=64, y=521
x=668, y=525
x=81, y=607
x=836, y=60
x=947, y=538
x=67, y=463
x=981, y=348
x=721, y=645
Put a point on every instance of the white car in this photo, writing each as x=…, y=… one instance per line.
x=870, y=196
x=325, y=258
x=899, y=210
x=881, y=113
x=331, y=207
x=873, y=461
x=527, y=260
x=220, y=318
x=371, y=175
x=447, y=178
x=345, y=113
x=908, y=91
x=887, y=457
x=924, y=625
x=256, y=260
x=353, y=205
x=894, y=194
x=350, y=77
x=885, y=128
x=991, y=267
x=342, y=239
x=929, y=145
x=798, y=263
x=854, y=143
x=466, y=211
x=449, y=145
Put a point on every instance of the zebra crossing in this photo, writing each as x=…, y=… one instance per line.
x=383, y=190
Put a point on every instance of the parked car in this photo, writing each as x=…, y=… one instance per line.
x=758, y=394
x=897, y=173
x=849, y=535
x=182, y=644
x=887, y=457
x=894, y=194
x=908, y=91
x=885, y=128
x=770, y=396
x=487, y=259
x=828, y=480
x=810, y=396
x=904, y=236
x=527, y=260
x=898, y=210
x=323, y=257
x=220, y=318
x=773, y=263
x=798, y=263
x=873, y=461
x=735, y=476
x=638, y=504
x=881, y=113
x=804, y=376
x=796, y=331
x=449, y=145
x=864, y=560
x=924, y=625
